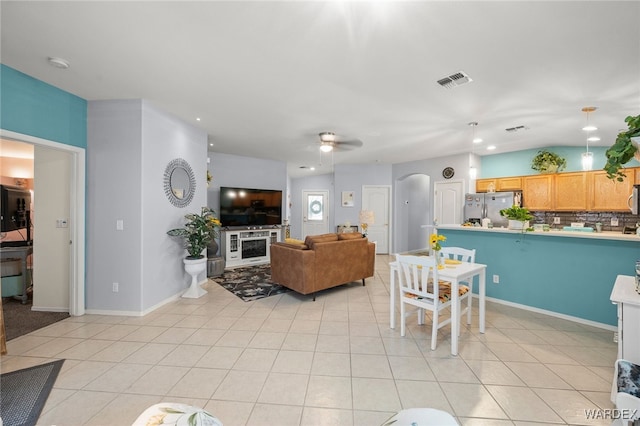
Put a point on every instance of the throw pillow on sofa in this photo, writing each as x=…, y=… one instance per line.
x=350, y=236
x=323, y=238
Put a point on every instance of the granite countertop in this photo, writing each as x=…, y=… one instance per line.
x=606, y=235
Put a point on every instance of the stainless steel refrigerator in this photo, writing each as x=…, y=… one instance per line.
x=488, y=205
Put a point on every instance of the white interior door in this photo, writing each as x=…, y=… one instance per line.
x=377, y=199
x=315, y=216
x=447, y=203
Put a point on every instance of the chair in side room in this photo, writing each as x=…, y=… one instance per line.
x=625, y=393
x=420, y=287
x=462, y=255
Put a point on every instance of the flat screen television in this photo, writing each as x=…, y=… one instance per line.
x=250, y=207
x=14, y=208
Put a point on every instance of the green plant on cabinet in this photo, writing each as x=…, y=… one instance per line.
x=548, y=162
x=623, y=150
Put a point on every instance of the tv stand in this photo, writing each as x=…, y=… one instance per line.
x=248, y=246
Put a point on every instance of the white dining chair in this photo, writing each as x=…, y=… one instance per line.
x=420, y=287
x=462, y=255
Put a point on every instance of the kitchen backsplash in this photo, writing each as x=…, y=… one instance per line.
x=627, y=220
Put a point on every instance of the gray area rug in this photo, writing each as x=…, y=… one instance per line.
x=250, y=283
x=19, y=319
x=23, y=393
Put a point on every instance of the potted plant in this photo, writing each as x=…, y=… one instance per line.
x=198, y=232
x=624, y=149
x=519, y=217
x=548, y=162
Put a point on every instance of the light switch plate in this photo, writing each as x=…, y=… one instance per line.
x=119, y=225
x=614, y=221
x=62, y=223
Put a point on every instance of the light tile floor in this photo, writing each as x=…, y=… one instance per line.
x=286, y=360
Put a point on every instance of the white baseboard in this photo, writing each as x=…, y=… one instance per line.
x=134, y=313
x=552, y=314
x=48, y=309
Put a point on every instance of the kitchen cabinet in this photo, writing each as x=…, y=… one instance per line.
x=537, y=192
x=499, y=184
x=636, y=174
x=509, y=184
x=483, y=185
x=608, y=194
x=570, y=191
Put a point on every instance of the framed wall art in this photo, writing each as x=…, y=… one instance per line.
x=347, y=198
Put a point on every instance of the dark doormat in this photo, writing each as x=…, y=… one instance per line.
x=23, y=393
x=19, y=319
x=250, y=283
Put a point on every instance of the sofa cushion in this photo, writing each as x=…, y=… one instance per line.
x=295, y=246
x=350, y=236
x=311, y=240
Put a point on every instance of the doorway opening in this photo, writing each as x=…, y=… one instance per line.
x=73, y=185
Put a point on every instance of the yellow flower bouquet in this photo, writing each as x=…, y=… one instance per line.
x=435, y=241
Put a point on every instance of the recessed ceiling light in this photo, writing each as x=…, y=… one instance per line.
x=211, y=144
x=63, y=64
x=312, y=168
x=589, y=128
x=197, y=118
x=477, y=140
x=593, y=138
x=491, y=147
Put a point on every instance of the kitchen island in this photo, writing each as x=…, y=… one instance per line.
x=567, y=273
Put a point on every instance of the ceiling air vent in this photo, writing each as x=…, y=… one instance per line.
x=455, y=80
x=516, y=129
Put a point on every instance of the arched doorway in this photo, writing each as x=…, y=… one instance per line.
x=412, y=211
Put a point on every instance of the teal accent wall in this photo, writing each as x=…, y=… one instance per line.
x=32, y=107
x=519, y=163
x=571, y=276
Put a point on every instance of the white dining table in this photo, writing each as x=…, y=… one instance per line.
x=462, y=272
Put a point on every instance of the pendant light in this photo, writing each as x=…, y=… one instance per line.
x=473, y=172
x=587, y=156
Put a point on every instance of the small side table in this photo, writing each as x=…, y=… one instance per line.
x=215, y=266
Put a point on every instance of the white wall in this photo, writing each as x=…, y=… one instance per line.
x=129, y=145
x=165, y=138
x=351, y=177
x=433, y=169
x=51, y=250
x=244, y=172
x=317, y=182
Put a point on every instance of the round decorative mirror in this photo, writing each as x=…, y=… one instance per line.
x=179, y=182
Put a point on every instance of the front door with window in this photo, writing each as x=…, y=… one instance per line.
x=315, y=216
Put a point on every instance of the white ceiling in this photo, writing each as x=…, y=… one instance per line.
x=266, y=77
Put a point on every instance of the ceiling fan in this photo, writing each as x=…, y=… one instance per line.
x=329, y=141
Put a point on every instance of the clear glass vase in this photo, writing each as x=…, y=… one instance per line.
x=436, y=254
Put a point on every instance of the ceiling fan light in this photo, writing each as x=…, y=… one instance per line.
x=327, y=137
x=326, y=147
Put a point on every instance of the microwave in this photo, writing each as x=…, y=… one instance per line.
x=634, y=200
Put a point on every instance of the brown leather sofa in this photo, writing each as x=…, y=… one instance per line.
x=322, y=262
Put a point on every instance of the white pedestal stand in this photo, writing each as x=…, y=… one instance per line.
x=195, y=267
